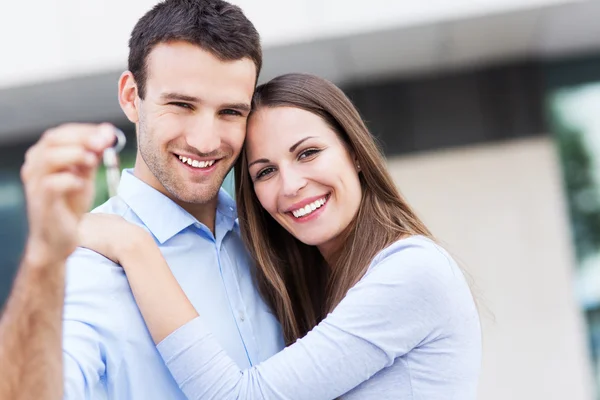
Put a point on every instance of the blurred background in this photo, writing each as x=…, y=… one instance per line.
x=488, y=112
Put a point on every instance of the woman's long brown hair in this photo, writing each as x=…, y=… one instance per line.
x=293, y=277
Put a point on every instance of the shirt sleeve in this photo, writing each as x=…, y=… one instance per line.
x=403, y=301
x=84, y=324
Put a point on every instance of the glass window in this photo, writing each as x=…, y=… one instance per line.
x=574, y=113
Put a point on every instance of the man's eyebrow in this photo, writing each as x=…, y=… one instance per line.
x=260, y=160
x=179, y=97
x=244, y=107
x=238, y=106
x=299, y=142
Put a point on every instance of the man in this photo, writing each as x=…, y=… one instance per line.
x=193, y=66
x=59, y=184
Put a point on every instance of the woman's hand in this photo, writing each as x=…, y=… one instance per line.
x=163, y=303
x=112, y=236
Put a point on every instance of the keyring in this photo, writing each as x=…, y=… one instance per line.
x=111, y=162
x=120, y=140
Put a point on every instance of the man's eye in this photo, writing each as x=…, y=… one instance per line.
x=231, y=112
x=181, y=105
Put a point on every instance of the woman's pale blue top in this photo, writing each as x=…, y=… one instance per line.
x=409, y=329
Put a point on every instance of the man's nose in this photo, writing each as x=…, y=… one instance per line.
x=204, y=134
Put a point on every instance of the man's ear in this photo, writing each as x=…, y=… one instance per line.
x=128, y=96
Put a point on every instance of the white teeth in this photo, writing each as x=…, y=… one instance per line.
x=196, y=163
x=205, y=164
x=309, y=208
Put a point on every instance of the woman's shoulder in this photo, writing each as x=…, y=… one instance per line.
x=415, y=249
x=416, y=259
x=418, y=269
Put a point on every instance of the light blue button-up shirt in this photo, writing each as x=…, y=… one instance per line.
x=108, y=352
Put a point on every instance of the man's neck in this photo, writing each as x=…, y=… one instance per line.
x=205, y=213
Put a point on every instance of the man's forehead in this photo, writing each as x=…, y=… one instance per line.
x=177, y=61
x=199, y=88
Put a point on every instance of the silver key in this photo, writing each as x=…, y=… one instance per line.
x=111, y=162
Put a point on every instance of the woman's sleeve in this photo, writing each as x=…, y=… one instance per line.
x=404, y=300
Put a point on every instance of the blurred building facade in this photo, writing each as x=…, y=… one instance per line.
x=461, y=94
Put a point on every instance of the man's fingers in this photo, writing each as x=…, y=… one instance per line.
x=71, y=157
x=69, y=145
x=60, y=184
x=93, y=137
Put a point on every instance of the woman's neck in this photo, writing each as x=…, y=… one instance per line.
x=329, y=250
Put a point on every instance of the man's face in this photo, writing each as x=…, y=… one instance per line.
x=192, y=121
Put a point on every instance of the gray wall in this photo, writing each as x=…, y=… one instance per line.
x=500, y=210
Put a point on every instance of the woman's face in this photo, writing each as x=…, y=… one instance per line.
x=303, y=174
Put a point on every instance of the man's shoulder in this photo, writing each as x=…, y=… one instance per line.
x=114, y=205
x=90, y=260
x=91, y=271
x=88, y=270
x=118, y=206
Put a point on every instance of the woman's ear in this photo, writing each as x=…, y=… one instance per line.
x=356, y=163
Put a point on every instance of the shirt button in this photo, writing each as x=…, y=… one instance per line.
x=242, y=317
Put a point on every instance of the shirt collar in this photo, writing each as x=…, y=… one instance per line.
x=161, y=215
x=226, y=211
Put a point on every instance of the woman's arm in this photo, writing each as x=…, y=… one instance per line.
x=403, y=301
x=407, y=300
x=162, y=302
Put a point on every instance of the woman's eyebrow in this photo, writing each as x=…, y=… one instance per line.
x=260, y=160
x=298, y=143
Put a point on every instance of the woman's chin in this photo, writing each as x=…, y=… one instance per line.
x=310, y=240
x=313, y=237
x=321, y=242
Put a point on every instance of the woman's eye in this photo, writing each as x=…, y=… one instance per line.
x=307, y=153
x=265, y=172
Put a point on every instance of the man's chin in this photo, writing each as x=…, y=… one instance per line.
x=202, y=195
x=182, y=189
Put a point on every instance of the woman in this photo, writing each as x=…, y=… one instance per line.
x=371, y=307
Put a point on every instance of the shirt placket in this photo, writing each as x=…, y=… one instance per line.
x=237, y=303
